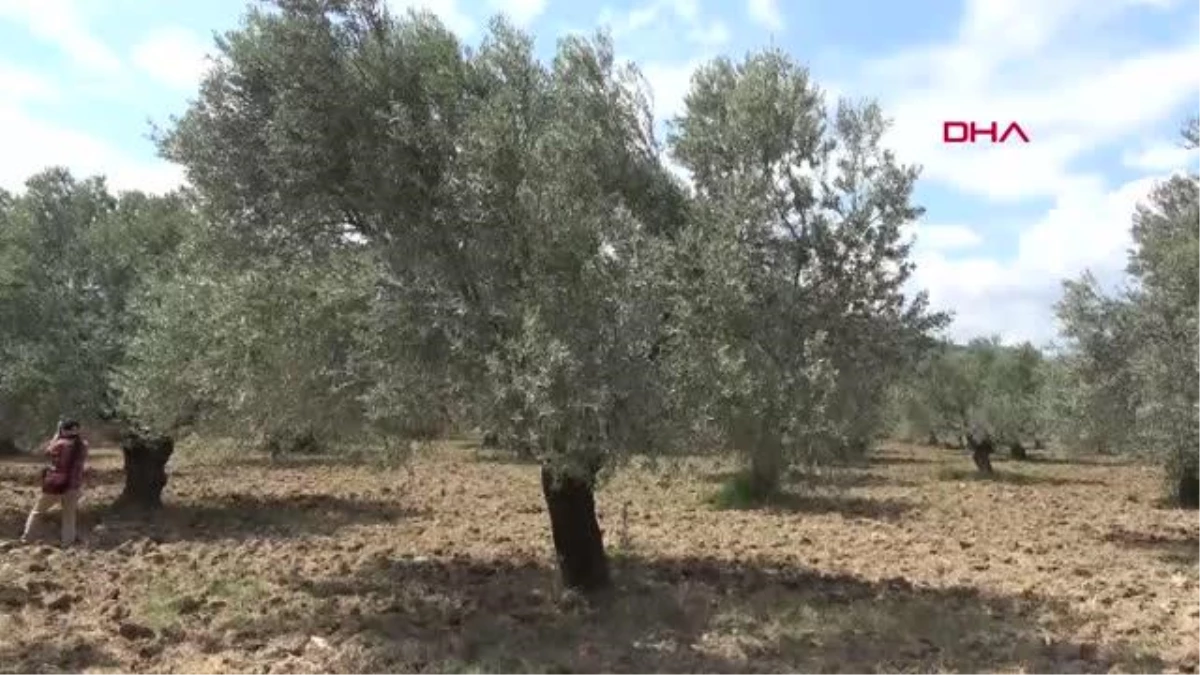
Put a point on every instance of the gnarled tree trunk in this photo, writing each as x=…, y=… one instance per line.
x=578, y=541
x=288, y=442
x=765, y=473
x=981, y=453
x=1187, y=492
x=8, y=444
x=8, y=447
x=146, y=460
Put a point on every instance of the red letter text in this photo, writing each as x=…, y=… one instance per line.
x=947, y=137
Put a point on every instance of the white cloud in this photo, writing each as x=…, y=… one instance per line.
x=30, y=142
x=715, y=33
x=945, y=237
x=1087, y=229
x=20, y=85
x=173, y=56
x=32, y=145
x=670, y=16
x=669, y=84
x=766, y=13
x=61, y=23
x=448, y=11
x=522, y=12
x=638, y=18
x=1159, y=157
x=667, y=23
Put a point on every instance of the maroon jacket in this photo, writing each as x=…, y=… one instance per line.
x=65, y=472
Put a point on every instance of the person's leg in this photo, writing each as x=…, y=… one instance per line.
x=43, y=504
x=70, y=506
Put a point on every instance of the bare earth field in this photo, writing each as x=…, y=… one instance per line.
x=909, y=564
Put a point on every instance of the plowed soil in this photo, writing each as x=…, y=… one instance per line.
x=908, y=564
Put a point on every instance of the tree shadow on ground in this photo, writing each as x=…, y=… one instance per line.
x=680, y=615
x=73, y=654
x=1177, y=548
x=869, y=508
x=257, y=460
x=1012, y=478
x=23, y=459
x=881, y=459
x=108, y=476
x=239, y=517
x=1095, y=460
x=737, y=494
x=835, y=479
x=492, y=456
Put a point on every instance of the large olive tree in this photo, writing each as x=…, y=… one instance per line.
x=515, y=216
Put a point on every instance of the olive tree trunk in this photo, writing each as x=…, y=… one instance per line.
x=767, y=460
x=981, y=453
x=766, y=470
x=146, y=460
x=8, y=444
x=1187, y=491
x=8, y=447
x=578, y=541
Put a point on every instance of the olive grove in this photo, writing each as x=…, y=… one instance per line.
x=1000, y=389
x=389, y=235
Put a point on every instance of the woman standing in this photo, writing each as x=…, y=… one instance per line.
x=62, y=481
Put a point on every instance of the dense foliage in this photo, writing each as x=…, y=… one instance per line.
x=1134, y=359
x=71, y=257
x=983, y=385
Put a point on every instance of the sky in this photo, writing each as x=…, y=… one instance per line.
x=1101, y=88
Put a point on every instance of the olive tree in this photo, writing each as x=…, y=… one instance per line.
x=515, y=213
x=54, y=335
x=1099, y=395
x=938, y=398
x=1134, y=352
x=800, y=263
x=1013, y=395
x=1165, y=269
x=71, y=257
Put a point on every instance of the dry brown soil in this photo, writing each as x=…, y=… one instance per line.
x=909, y=564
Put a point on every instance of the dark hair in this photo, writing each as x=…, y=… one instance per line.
x=68, y=424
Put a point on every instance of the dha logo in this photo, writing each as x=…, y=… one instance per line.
x=969, y=132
